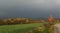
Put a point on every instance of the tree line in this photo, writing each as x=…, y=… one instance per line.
x=14, y=21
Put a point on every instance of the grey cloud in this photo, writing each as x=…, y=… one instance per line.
x=30, y=8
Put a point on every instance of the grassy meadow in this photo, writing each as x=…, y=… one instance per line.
x=20, y=28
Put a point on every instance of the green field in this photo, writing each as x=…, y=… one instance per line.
x=18, y=28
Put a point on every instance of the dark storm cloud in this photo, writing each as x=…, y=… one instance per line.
x=29, y=8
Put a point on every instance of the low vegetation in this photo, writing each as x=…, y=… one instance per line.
x=20, y=28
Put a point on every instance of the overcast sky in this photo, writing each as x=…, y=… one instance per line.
x=29, y=8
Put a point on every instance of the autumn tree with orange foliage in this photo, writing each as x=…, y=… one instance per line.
x=51, y=19
x=26, y=21
x=4, y=21
x=11, y=21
